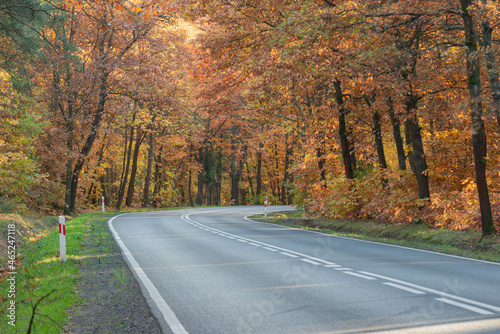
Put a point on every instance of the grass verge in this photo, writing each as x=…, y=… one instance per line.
x=35, y=295
x=461, y=243
x=41, y=293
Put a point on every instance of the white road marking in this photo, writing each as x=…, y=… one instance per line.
x=288, y=254
x=252, y=242
x=332, y=266
x=437, y=292
x=311, y=262
x=374, y=242
x=363, y=274
x=394, y=285
x=465, y=306
x=359, y=275
x=169, y=315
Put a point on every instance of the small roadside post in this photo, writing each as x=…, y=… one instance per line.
x=265, y=208
x=103, y=207
x=62, y=238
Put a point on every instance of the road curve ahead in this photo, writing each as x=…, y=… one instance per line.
x=212, y=270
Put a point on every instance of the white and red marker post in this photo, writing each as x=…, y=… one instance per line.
x=103, y=207
x=265, y=208
x=62, y=238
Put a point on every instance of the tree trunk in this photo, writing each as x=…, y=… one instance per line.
x=344, y=140
x=258, y=176
x=397, y=135
x=218, y=187
x=123, y=182
x=147, y=179
x=89, y=142
x=201, y=162
x=379, y=144
x=492, y=69
x=157, y=176
x=133, y=173
x=416, y=156
x=277, y=172
x=478, y=129
x=234, y=182
x=284, y=191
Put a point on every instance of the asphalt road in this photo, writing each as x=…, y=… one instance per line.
x=212, y=270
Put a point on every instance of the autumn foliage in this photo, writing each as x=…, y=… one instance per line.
x=361, y=109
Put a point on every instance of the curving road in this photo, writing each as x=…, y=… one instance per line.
x=212, y=270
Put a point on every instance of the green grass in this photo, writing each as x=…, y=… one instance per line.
x=45, y=286
x=462, y=243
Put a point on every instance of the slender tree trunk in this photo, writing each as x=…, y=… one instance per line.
x=234, y=182
x=344, y=140
x=284, y=192
x=258, y=176
x=478, y=129
x=250, y=180
x=89, y=142
x=133, y=173
x=379, y=143
x=397, y=135
x=147, y=179
x=157, y=176
x=123, y=182
x=277, y=172
x=492, y=69
x=219, y=179
x=417, y=158
x=243, y=190
x=124, y=162
x=201, y=162
x=69, y=176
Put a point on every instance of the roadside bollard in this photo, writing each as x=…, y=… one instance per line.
x=62, y=238
x=265, y=208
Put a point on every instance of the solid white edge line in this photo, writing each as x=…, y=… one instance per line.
x=437, y=292
x=402, y=287
x=465, y=306
x=169, y=315
x=376, y=242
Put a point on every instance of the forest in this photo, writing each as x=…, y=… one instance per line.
x=375, y=109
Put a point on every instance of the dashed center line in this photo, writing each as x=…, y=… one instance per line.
x=289, y=255
x=465, y=306
x=395, y=283
x=359, y=275
x=397, y=286
x=311, y=262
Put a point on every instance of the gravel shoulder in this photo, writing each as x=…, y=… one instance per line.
x=111, y=298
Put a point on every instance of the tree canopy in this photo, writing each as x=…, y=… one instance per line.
x=361, y=109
